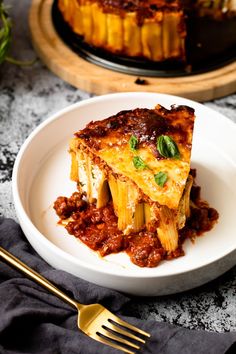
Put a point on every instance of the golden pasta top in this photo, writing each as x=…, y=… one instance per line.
x=151, y=147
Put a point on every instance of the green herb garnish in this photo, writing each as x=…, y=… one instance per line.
x=92, y=173
x=133, y=143
x=5, y=32
x=139, y=164
x=161, y=178
x=167, y=147
x=5, y=38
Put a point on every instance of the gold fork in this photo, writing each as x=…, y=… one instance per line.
x=94, y=320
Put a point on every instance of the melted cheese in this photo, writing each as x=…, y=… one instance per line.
x=177, y=171
x=113, y=148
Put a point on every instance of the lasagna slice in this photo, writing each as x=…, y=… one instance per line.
x=140, y=160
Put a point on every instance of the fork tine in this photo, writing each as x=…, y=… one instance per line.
x=128, y=325
x=105, y=332
x=112, y=344
x=115, y=328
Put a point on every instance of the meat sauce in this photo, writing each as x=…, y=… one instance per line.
x=98, y=229
x=143, y=8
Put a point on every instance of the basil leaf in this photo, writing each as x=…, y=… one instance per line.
x=133, y=143
x=161, y=178
x=5, y=38
x=167, y=147
x=139, y=164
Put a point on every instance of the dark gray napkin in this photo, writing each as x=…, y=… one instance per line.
x=35, y=321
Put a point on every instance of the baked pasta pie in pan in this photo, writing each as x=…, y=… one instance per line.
x=157, y=30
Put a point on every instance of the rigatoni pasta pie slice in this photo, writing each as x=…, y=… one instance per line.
x=135, y=189
x=139, y=159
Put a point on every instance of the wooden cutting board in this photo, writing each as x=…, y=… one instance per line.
x=82, y=74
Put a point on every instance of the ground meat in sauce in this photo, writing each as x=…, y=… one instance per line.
x=143, y=8
x=98, y=229
x=145, y=249
x=66, y=206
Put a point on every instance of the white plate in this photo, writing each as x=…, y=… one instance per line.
x=41, y=174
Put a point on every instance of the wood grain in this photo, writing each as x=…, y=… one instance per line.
x=66, y=64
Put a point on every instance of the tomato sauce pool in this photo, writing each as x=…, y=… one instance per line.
x=98, y=229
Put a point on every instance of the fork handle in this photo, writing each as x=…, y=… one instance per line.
x=38, y=278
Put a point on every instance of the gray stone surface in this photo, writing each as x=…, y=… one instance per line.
x=30, y=95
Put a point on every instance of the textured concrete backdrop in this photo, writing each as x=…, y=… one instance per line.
x=30, y=95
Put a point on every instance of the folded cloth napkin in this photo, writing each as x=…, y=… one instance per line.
x=35, y=321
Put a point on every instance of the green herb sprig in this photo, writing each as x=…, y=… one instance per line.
x=167, y=147
x=6, y=38
x=133, y=143
x=139, y=164
x=5, y=32
x=161, y=178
